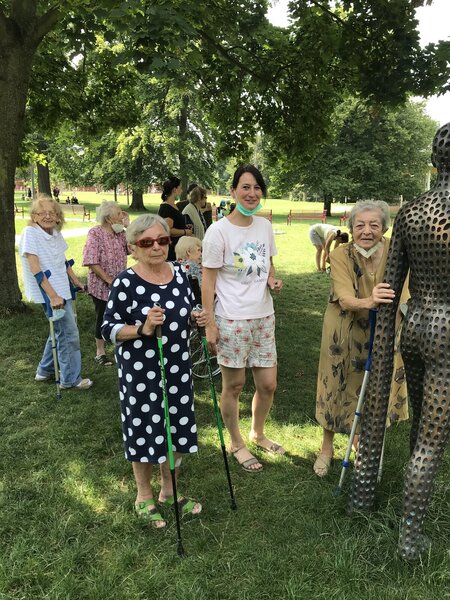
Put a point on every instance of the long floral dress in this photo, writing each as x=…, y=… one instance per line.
x=344, y=347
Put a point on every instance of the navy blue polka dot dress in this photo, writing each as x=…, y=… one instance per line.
x=140, y=390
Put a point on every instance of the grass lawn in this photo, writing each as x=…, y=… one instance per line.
x=66, y=492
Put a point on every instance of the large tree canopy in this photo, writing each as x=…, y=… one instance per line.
x=227, y=62
x=377, y=153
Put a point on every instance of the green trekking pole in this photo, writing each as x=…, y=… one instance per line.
x=212, y=386
x=180, y=549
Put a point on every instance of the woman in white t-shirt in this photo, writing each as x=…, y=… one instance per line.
x=42, y=250
x=238, y=275
x=322, y=236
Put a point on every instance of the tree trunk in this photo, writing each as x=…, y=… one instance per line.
x=15, y=68
x=20, y=35
x=327, y=200
x=137, y=201
x=43, y=172
x=182, y=132
x=137, y=197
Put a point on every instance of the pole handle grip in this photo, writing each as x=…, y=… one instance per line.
x=200, y=328
x=73, y=288
x=158, y=328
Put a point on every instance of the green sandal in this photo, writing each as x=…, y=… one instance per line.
x=185, y=505
x=144, y=512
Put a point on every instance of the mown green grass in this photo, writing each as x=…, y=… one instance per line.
x=67, y=530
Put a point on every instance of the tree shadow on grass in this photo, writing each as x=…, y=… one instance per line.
x=67, y=492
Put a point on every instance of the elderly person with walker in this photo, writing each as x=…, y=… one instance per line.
x=238, y=275
x=42, y=250
x=154, y=294
x=357, y=286
x=105, y=253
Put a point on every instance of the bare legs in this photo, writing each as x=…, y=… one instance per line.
x=319, y=261
x=100, y=347
x=143, y=474
x=265, y=382
x=323, y=461
x=232, y=384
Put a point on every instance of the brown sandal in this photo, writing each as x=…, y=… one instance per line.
x=246, y=464
x=322, y=464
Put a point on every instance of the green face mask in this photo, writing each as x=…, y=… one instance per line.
x=246, y=212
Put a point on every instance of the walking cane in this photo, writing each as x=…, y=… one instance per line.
x=49, y=313
x=346, y=462
x=201, y=331
x=180, y=549
x=73, y=289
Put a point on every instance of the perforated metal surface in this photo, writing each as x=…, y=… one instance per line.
x=421, y=243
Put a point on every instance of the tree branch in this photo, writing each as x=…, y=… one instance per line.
x=329, y=12
x=47, y=22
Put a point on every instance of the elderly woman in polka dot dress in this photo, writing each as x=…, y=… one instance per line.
x=153, y=292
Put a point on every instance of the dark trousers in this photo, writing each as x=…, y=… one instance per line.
x=100, y=306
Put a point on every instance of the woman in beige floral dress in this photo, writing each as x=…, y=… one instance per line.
x=357, y=285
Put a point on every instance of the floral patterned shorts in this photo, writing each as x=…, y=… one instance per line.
x=246, y=343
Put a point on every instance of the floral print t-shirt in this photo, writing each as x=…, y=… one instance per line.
x=242, y=257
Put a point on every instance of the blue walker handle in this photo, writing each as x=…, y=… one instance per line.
x=39, y=277
x=73, y=288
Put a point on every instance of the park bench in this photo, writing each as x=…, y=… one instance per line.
x=77, y=209
x=343, y=218
x=303, y=215
x=19, y=210
x=266, y=213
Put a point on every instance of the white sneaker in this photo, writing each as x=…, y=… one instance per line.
x=84, y=384
x=38, y=377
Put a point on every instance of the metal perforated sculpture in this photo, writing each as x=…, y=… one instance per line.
x=421, y=243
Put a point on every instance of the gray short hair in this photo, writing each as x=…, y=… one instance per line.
x=186, y=244
x=142, y=223
x=363, y=205
x=105, y=210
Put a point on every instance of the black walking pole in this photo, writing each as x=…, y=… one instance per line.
x=212, y=386
x=362, y=393
x=180, y=548
x=49, y=312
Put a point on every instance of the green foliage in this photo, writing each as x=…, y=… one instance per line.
x=374, y=152
x=377, y=153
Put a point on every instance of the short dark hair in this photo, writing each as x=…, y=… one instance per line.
x=191, y=186
x=256, y=174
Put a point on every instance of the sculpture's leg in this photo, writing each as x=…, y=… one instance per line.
x=367, y=462
x=415, y=370
x=432, y=437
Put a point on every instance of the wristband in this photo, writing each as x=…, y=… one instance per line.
x=141, y=333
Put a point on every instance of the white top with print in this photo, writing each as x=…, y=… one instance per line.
x=242, y=257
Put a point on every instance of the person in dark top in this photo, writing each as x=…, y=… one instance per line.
x=171, y=214
x=183, y=203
